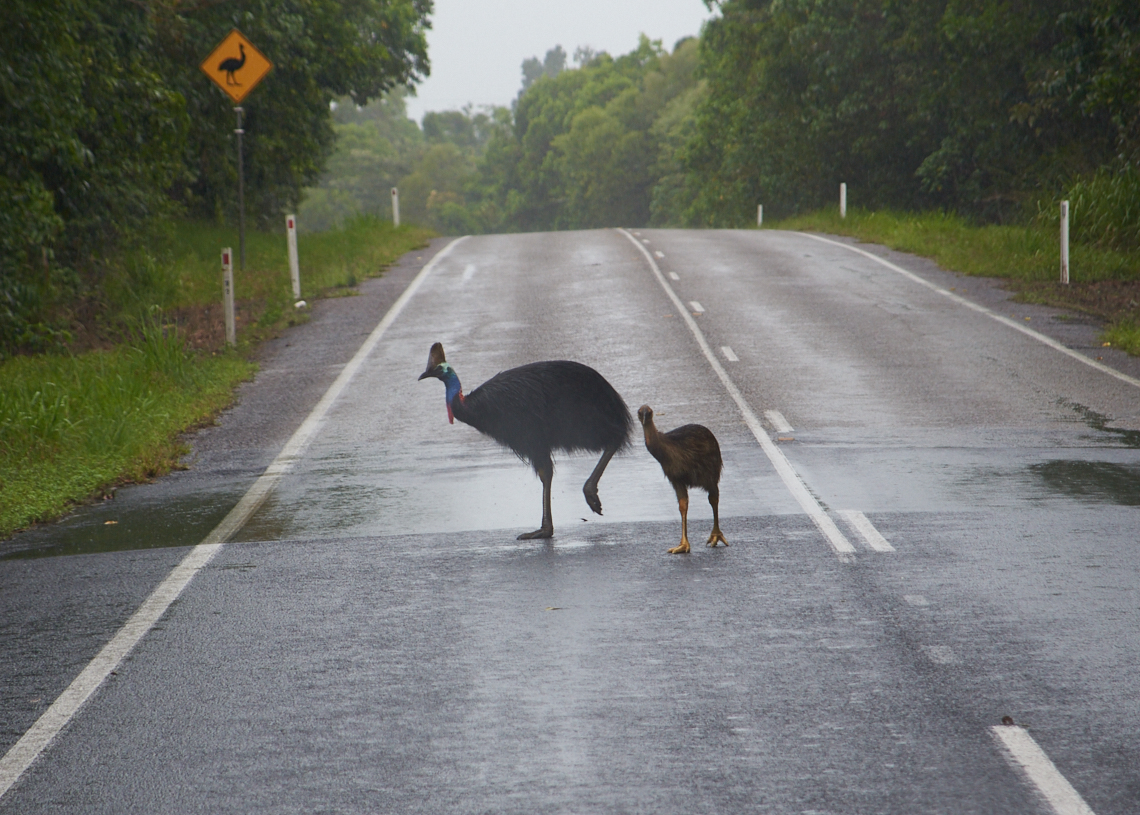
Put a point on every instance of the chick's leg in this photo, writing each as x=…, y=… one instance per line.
x=683, y=505
x=716, y=534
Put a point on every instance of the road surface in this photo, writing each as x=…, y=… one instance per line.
x=932, y=511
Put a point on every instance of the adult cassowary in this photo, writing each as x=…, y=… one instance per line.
x=540, y=408
x=690, y=457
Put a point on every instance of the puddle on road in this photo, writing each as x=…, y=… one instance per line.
x=1099, y=481
x=176, y=522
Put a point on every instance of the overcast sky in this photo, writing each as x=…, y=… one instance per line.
x=477, y=47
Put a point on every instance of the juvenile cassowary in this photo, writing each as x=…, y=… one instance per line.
x=690, y=457
x=540, y=408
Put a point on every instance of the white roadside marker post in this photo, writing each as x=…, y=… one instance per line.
x=294, y=264
x=395, y=207
x=1065, y=242
x=843, y=200
x=228, y=295
x=759, y=215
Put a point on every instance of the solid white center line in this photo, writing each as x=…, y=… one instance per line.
x=1026, y=755
x=697, y=307
x=778, y=422
x=866, y=529
x=729, y=354
x=33, y=743
x=795, y=485
x=674, y=276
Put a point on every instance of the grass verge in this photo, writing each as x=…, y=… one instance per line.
x=72, y=427
x=1104, y=282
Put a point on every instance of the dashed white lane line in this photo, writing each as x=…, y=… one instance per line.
x=39, y=736
x=659, y=253
x=983, y=310
x=915, y=600
x=729, y=354
x=468, y=272
x=866, y=530
x=674, y=276
x=697, y=307
x=778, y=422
x=795, y=485
x=1026, y=755
x=645, y=240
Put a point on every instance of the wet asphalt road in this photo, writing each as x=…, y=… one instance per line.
x=375, y=640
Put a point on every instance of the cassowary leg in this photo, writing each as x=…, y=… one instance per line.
x=544, y=471
x=590, y=490
x=683, y=505
x=716, y=535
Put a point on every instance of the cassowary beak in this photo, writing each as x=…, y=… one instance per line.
x=432, y=371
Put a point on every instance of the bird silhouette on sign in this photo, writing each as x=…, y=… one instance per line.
x=231, y=64
x=539, y=408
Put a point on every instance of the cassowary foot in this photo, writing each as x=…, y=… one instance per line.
x=592, y=499
x=715, y=536
x=545, y=532
x=681, y=549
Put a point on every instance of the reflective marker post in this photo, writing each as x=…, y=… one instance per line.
x=395, y=207
x=228, y=295
x=294, y=264
x=1065, y=242
x=843, y=200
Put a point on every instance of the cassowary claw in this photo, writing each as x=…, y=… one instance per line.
x=592, y=499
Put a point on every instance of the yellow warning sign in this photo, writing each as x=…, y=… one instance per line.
x=236, y=66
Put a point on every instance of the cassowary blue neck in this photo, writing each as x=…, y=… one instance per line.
x=453, y=389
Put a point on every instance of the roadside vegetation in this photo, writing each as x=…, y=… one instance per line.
x=80, y=421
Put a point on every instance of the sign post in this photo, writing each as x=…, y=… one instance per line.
x=236, y=66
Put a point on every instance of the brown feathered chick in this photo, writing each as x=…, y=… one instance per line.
x=690, y=457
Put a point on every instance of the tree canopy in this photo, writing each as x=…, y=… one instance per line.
x=106, y=122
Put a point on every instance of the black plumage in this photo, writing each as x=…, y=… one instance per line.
x=539, y=409
x=690, y=457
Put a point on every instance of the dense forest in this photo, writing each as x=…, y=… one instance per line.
x=992, y=110
x=107, y=126
x=989, y=109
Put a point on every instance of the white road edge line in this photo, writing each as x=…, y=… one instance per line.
x=796, y=486
x=862, y=524
x=779, y=423
x=1029, y=332
x=39, y=736
x=1027, y=756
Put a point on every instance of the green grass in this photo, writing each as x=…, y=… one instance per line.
x=328, y=260
x=1022, y=253
x=1124, y=335
x=73, y=426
